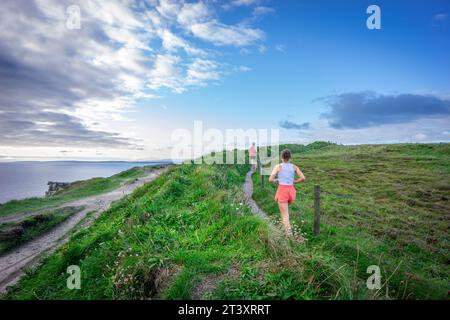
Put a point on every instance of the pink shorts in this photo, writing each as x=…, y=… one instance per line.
x=285, y=194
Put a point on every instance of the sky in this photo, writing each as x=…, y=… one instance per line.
x=118, y=84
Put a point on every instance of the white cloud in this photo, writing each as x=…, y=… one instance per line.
x=166, y=73
x=244, y=69
x=221, y=34
x=281, y=48
x=262, y=49
x=238, y=3
x=113, y=13
x=201, y=71
x=168, y=8
x=171, y=42
x=126, y=50
x=192, y=13
x=261, y=10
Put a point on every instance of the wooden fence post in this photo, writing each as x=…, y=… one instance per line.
x=262, y=178
x=316, y=210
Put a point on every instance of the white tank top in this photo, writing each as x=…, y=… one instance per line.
x=286, y=174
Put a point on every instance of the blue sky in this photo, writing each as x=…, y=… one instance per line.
x=138, y=70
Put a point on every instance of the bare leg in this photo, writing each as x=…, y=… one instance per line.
x=284, y=211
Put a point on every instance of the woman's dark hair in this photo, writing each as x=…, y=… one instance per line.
x=286, y=154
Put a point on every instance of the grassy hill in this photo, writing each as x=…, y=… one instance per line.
x=385, y=205
x=188, y=234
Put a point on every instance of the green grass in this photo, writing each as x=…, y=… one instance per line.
x=385, y=205
x=188, y=229
x=76, y=191
x=16, y=233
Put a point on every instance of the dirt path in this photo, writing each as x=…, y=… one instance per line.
x=248, y=191
x=13, y=263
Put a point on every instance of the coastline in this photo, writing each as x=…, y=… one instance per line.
x=21, y=180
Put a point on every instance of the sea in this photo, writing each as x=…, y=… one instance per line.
x=26, y=179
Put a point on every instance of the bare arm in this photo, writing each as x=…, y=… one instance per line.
x=301, y=176
x=274, y=173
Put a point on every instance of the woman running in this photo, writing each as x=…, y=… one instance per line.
x=286, y=192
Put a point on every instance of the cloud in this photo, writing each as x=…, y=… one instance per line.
x=262, y=10
x=201, y=71
x=238, y=3
x=421, y=130
x=440, y=17
x=369, y=109
x=292, y=125
x=171, y=42
x=281, y=48
x=229, y=5
x=56, y=83
x=53, y=129
x=191, y=13
x=168, y=73
x=439, y=20
x=49, y=73
x=221, y=34
x=243, y=68
x=198, y=19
